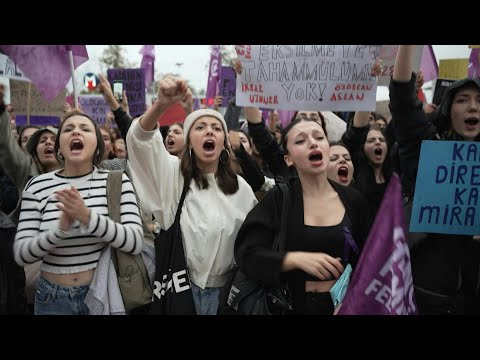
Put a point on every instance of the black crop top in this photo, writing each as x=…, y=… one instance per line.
x=326, y=239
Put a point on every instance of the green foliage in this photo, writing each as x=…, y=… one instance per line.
x=113, y=57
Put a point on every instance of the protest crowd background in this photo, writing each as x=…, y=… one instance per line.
x=285, y=188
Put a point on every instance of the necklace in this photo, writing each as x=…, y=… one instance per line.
x=89, y=187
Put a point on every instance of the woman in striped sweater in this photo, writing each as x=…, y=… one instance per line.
x=64, y=220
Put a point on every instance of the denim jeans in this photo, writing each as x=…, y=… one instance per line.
x=206, y=300
x=53, y=299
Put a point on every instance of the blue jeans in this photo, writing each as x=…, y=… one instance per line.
x=206, y=300
x=53, y=299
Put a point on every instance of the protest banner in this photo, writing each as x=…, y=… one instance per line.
x=94, y=106
x=307, y=77
x=227, y=85
x=388, y=55
x=446, y=191
x=134, y=83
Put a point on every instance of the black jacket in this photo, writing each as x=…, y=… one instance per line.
x=443, y=266
x=269, y=150
x=253, y=246
x=364, y=176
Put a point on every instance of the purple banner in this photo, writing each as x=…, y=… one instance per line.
x=148, y=62
x=474, y=64
x=213, y=73
x=196, y=104
x=227, y=84
x=47, y=66
x=21, y=120
x=266, y=115
x=429, y=65
x=382, y=281
x=95, y=106
x=134, y=84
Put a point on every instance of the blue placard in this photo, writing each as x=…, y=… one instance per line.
x=446, y=192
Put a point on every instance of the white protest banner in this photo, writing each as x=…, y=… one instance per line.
x=307, y=77
x=94, y=106
x=388, y=55
x=9, y=69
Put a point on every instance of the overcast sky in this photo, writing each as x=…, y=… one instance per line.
x=191, y=61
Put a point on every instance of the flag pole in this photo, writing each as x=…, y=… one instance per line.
x=72, y=70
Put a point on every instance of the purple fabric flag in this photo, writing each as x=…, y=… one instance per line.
x=474, y=64
x=47, y=66
x=148, y=63
x=213, y=73
x=382, y=281
x=285, y=116
x=429, y=65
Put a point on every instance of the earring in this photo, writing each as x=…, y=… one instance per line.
x=190, y=152
x=60, y=156
x=226, y=153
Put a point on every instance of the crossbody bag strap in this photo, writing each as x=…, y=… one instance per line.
x=114, y=193
x=180, y=204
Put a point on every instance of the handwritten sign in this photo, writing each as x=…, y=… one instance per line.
x=307, y=77
x=388, y=55
x=134, y=84
x=454, y=69
x=27, y=100
x=227, y=84
x=10, y=70
x=94, y=106
x=446, y=192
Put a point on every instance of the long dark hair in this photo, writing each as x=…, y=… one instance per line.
x=22, y=130
x=98, y=157
x=387, y=163
x=226, y=178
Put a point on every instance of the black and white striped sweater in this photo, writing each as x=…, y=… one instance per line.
x=38, y=235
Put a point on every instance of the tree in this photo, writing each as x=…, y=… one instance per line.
x=228, y=54
x=113, y=57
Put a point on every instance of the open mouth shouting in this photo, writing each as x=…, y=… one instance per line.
x=209, y=146
x=170, y=143
x=76, y=146
x=316, y=158
x=48, y=151
x=343, y=174
x=471, y=123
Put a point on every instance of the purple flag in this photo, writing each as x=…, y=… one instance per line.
x=474, y=64
x=265, y=114
x=429, y=64
x=148, y=62
x=285, y=116
x=47, y=66
x=213, y=73
x=382, y=281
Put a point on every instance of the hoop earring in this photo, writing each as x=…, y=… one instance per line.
x=223, y=161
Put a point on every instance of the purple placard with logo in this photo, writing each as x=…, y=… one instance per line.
x=227, y=85
x=134, y=84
